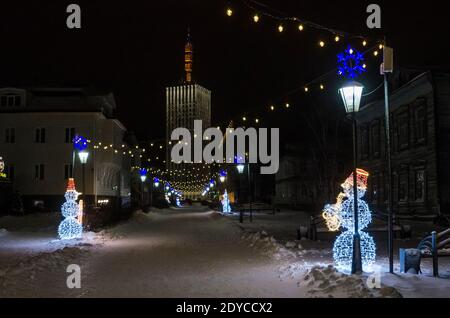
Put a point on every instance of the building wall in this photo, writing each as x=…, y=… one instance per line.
x=184, y=105
x=294, y=186
x=107, y=174
x=417, y=162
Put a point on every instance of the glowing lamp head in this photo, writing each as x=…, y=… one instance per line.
x=143, y=174
x=351, y=96
x=83, y=155
x=240, y=168
x=222, y=178
x=229, y=12
x=156, y=182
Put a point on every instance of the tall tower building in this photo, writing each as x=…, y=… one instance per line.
x=184, y=104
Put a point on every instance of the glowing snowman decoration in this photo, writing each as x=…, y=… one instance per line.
x=226, y=203
x=341, y=215
x=70, y=227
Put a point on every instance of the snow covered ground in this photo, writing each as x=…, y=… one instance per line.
x=186, y=253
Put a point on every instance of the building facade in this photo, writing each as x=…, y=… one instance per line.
x=420, y=134
x=186, y=103
x=36, y=143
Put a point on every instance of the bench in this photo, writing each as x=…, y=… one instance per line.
x=435, y=246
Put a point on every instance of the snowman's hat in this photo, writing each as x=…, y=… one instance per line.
x=361, y=179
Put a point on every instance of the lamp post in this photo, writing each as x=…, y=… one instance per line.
x=83, y=155
x=351, y=96
x=156, y=185
x=143, y=176
x=240, y=168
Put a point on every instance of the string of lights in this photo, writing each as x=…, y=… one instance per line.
x=259, y=11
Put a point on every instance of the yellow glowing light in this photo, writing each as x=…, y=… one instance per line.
x=337, y=38
x=306, y=89
x=229, y=12
x=322, y=87
x=256, y=18
x=350, y=51
x=301, y=27
x=364, y=66
x=287, y=105
x=280, y=28
x=321, y=43
x=380, y=46
x=244, y=118
x=364, y=43
x=375, y=53
x=272, y=108
x=257, y=120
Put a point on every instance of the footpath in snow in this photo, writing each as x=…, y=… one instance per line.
x=179, y=253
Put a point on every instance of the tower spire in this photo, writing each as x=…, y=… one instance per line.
x=188, y=58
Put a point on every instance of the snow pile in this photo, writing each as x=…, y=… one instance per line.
x=3, y=232
x=268, y=245
x=328, y=282
x=25, y=272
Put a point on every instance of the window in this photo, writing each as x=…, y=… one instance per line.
x=419, y=185
x=70, y=135
x=403, y=131
x=420, y=124
x=375, y=132
x=40, y=136
x=68, y=171
x=39, y=172
x=403, y=187
x=10, y=101
x=10, y=135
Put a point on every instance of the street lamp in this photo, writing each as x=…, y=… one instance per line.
x=351, y=96
x=83, y=156
x=143, y=176
x=222, y=176
x=240, y=168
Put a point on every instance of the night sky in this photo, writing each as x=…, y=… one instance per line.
x=135, y=49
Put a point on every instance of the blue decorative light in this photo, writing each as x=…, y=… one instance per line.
x=350, y=63
x=80, y=143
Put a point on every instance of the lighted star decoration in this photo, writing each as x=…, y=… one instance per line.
x=351, y=63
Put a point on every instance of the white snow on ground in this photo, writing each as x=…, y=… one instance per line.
x=184, y=253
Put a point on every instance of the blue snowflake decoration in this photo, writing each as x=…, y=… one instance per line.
x=350, y=63
x=80, y=143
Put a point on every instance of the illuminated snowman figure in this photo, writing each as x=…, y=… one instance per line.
x=70, y=227
x=340, y=215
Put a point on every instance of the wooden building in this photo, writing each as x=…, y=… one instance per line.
x=420, y=132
